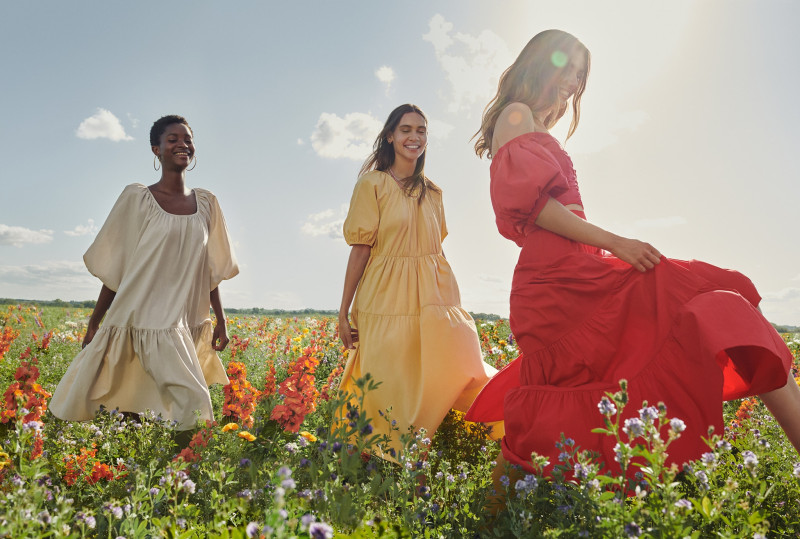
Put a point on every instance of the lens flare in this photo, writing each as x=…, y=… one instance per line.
x=559, y=58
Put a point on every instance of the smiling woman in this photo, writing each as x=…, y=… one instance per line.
x=161, y=255
x=409, y=330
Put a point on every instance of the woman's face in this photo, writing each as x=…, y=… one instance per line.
x=571, y=75
x=410, y=137
x=177, y=146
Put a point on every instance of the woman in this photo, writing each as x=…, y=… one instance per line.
x=408, y=328
x=161, y=255
x=589, y=308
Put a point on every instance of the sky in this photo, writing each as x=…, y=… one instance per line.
x=688, y=136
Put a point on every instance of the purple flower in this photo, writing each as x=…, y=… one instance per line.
x=633, y=427
x=750, y=460
x=648, y=414
x=633, y=530
x=307, y=519
x=189, y=486
x=708, y=458
x=284, y=472
x=244, y=463
x=796, y=471
x=606, y=407
x=252, y=530
x=683, y=503
x=677, y=424
x=503, y=479
x=320, y=530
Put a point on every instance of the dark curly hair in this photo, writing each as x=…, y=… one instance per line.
x=160, y=125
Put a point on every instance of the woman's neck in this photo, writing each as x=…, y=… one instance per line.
x=403, y=168
x=172, y=181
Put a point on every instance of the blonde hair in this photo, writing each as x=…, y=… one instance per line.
x=530, y=80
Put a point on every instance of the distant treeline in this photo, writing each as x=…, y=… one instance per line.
x=277, y=313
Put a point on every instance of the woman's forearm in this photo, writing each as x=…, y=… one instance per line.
x=359, y=255
x=104, y=300
x=216, y=306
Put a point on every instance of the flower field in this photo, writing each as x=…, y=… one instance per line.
x=276, y=464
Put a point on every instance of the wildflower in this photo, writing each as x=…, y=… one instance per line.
x=307, y=519
x=229, y=427
x=677, y=425
x=320, y=530
x=796, y=471
x=606, y=407
x=245, y=435
x=708, y=458
x=563, y=456
x=252, y=529
x=634, y=427
x=308, y=436
x=244, y=463
x=725, y=445
x=503, y=479
x=750, y=460
x=632, y=530
x=526, y=485
x=683, y=503
x=153, y=491
x=189, y=486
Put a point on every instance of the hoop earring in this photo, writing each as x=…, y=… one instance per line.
x=194, y=158
x=154, y=163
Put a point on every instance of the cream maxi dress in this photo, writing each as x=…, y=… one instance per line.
x=153, y=350
x=414, y=337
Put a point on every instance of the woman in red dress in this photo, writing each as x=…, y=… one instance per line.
x=589, y=308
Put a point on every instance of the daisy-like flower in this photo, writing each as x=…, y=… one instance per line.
x=245, y=435
x=230, y=426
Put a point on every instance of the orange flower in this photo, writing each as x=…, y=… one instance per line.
x=308, y=436
x=229, y=427
x=246, y=436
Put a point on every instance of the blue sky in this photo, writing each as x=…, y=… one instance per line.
x=688, y=136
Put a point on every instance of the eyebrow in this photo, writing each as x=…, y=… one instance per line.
x=411, y=126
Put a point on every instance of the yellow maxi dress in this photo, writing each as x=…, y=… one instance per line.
x=153, y=350
x=414, y=337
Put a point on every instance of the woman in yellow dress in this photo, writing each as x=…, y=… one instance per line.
x=408, y=329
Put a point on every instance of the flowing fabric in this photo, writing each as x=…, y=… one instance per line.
x=414, y=337
x=686, y=333
x=153, y=350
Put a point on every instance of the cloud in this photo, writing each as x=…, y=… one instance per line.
x=103, y=124
x=89, y=229
x=661, y=222
x=19, y=236
x=47, y=280
x=386, y=75
x=325, y=223
x=134, y=121
x=783, y=306
x=474, y=68
x=439, y=130
x=300, y=142
x=350, y=137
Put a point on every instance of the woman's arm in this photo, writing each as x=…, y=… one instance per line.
x=101, y=307
x=558, y=219
x=220, y=339
x=359, y=255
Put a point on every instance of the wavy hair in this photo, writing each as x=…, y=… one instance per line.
x=531, y=80
x=382, y=156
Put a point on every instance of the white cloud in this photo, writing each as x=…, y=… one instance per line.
x=661, y=222
x=350, y=137
x=103, y=124
x=89, y=229
x=325, y=223
x=474, y=69
x=300, y=142
x=386, y=75
x=783, y=306
x=134, y=121
x=19, y=236
x=439, y=130
x=48, y=280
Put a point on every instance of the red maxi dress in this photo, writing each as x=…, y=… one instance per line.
x=686, y=333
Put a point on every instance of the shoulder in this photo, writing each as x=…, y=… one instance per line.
x=204, y=193
x=134, y=189
x=434, y=188
x=373, y=177
x=516, y=119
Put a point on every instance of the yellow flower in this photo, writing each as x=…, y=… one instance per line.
x=308, y=436
x=246, y=435
x=229, y=427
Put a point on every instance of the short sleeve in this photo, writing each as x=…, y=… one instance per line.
x=115, y=244
x=524, y=176
x=361, y=224
x=442, y=220
x=221, y=258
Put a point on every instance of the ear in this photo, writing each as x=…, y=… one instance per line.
x=156, y=151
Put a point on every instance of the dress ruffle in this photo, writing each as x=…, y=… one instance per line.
x=125, y=367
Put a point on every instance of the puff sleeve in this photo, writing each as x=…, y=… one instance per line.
x=361, y=224
x=115, y=245
x=222, y=262
x=524, y=175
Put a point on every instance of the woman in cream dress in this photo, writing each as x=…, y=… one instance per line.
x=161, y=255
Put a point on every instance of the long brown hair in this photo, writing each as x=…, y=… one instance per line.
x=530, y=80
x=382, y=157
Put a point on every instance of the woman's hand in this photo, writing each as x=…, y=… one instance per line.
x=638, y=254
x=347, y=333
x=91, y=330
x=220, y=339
